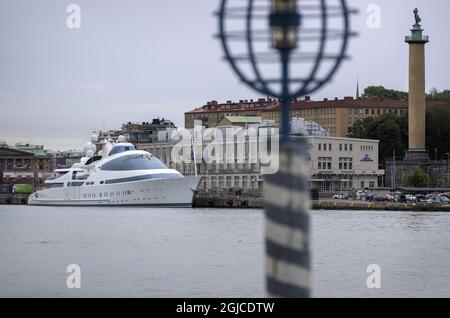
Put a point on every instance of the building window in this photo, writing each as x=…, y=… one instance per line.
x=351, y=147
x=340, y=147
x=320, y=147
x=324, y=163
x=329, y=147
x=345, y=163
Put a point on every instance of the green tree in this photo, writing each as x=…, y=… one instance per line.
x=434, y=94
x=388, y=129
x=392, y=131
x=438, y=130
x=376, y=92
x=418, y=178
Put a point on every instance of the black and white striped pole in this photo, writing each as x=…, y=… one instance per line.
x=286, y=200
x=284, y=33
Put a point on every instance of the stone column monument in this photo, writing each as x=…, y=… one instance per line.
x=416, y=107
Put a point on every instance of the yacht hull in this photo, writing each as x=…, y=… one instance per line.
x=176, y=192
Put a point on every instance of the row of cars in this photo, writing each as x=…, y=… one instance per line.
x=439, y=198
x=431, y=198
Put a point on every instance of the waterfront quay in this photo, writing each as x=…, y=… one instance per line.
x=252, y=200
x=255, y=201
x=13, y=198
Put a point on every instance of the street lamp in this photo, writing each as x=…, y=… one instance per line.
x=286, y=49
x=284, y=22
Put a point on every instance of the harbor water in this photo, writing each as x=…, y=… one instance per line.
x=152, y=252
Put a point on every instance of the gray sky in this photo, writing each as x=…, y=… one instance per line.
x=137, y=59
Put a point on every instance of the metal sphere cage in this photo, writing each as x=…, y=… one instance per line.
x=322, y=41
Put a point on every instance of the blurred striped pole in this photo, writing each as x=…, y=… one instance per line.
x=287, y=203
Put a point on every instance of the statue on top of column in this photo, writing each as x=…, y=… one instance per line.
x=416, y=16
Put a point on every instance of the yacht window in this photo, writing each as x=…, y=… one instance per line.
x=134, y=162
x=121, y=148
x=92, y=159
x=56, y=185
x=61, y=173
x=76, y=183
x=146, y=177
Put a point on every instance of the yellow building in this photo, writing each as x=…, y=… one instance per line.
x=338, y=115
x=335, y=115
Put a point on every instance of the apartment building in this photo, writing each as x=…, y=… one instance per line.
x=16, y=163
x=44, y=162
x=213, y=112
x=336, y=115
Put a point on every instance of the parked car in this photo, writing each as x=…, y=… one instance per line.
x=420, y=198
x=443, y=200
x=341, y=196
x=389, y=198
x=410, y=198
x=360, y=195
x=370, y=197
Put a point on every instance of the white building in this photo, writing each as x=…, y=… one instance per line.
x=335, y=164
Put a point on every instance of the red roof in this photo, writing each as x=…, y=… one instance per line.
x=273, y=105
x=242, y=105
x=350, y=102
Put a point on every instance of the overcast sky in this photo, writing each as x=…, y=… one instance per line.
x=133, y=60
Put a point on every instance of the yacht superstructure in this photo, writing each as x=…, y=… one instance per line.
x=117, y=175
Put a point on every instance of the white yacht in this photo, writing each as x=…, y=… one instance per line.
x=118, y=175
